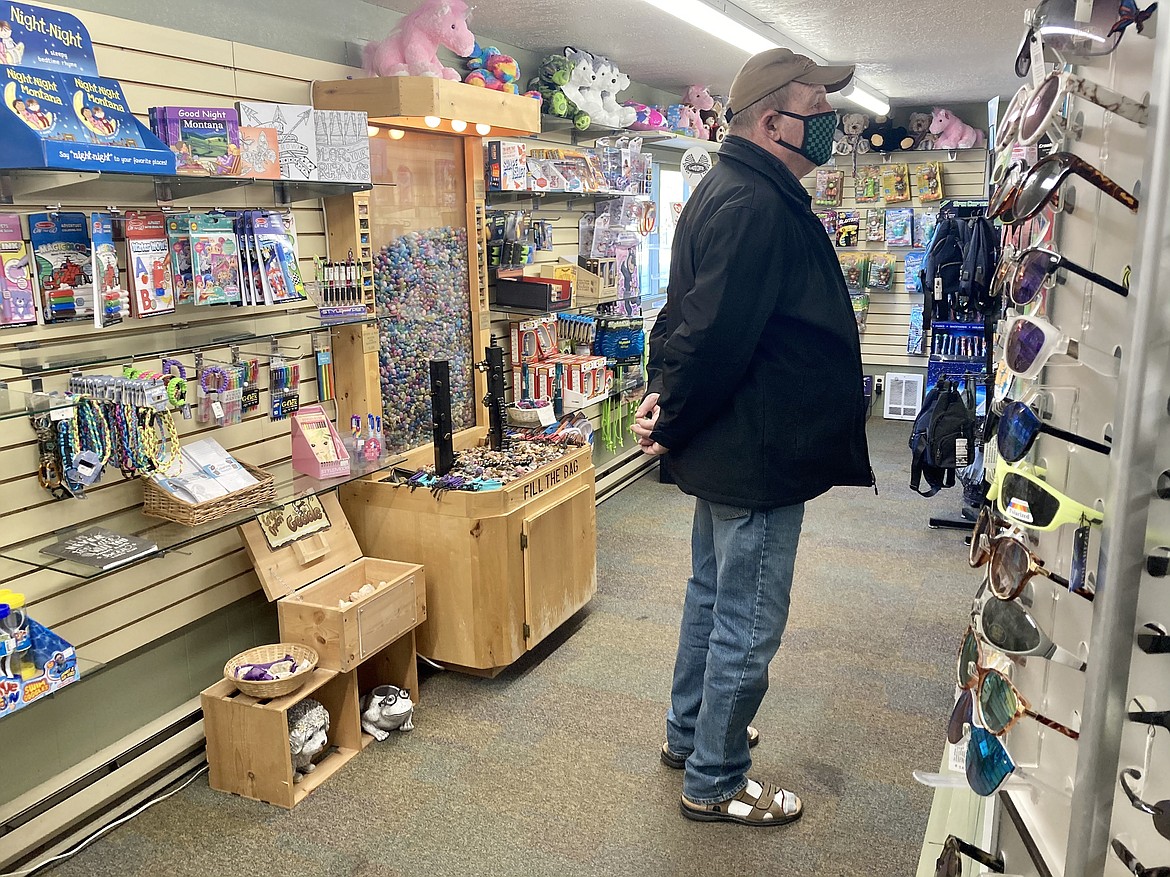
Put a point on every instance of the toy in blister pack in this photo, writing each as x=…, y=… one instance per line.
x=829, y=185
x=619, y=339
x=914, y=260
x=848, y=227
x=924, y=223
x=928, y=181
x=867, y=184
x=860, y=302
x=828, y=219
x=880, y=276
x=853, y=267
x=900, y=227
x=916, y=335
x=895, y=183
x=875, y=225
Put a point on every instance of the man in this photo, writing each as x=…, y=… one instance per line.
x=756, y=406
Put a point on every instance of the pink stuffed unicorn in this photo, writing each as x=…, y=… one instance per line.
x=412, y=47
x=699, y=98
x=951, y=132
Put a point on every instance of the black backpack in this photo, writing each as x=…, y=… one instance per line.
x=979, y=260
x=943, y=438
x=943, y=267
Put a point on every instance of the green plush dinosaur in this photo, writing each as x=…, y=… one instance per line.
x=554, y=72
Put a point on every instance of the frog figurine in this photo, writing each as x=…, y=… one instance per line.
x=387, y=708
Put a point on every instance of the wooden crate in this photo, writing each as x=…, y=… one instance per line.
x=395, y=98
x=247, y=738
x=307, y=578
x=504, y=567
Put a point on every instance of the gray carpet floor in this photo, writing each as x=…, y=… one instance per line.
x=552, y=768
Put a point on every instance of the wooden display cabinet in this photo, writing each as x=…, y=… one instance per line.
x=247, y=738
x=504, y=567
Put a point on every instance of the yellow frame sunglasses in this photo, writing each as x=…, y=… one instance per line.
x=1025, y=499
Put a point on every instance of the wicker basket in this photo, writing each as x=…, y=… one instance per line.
x=524, y=416
x=306, y=659
x=157, y=503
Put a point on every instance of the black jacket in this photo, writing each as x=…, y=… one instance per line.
x=756, y=354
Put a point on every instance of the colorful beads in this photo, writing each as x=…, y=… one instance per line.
x=423, y=300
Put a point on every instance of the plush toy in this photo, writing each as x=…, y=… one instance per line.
x=581, y=89
x=308, y=733
x=884, y=136
x=853, y=126
x=685, y=119
x=610, y=81
x=698, y=97
x=490, y=68
x=555, y=72
x=951, y=132
x=715, y=121
x=646, y=118
x=919, y=127
x=412, y=47
x=387, y=708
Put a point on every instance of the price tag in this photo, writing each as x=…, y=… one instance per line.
x=66, y=413
x=545, y=415
x=217, y=409
x=1039, y=67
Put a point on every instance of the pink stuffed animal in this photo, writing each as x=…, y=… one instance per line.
x=699, y=98
x=951, y=132
x=412, y=47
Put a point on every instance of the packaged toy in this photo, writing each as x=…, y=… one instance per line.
x=860, y=302
x=875, y=225
x=853, y=267
x=828, y=219
x=895, y=183
x=867, y=184
x=17, y=299
x=848, y=227
x=412, y=47
x=914, y=261
x=928, y=181
x=880, y=276
x=924, y=223
x=900, y=227
x=951, y=132
x=828, y=191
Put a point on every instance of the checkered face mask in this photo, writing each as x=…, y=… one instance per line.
x=819, y=128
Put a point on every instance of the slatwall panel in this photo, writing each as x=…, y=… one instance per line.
x=109, y=617
x=883, y=342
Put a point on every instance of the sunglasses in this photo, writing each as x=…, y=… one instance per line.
x=1133, y=865
x=1039, y=114
x=1160, y=811
x=1002, y=202
x=950, y=863
x=988, y=765
x=1154, y=643
x=1036, y=189
x=1029, y=342
x=1031, y=503
x=1010, y=628
x=1000, y=704
x=1013, y=565
x=1020, y=426
x=1029, y=270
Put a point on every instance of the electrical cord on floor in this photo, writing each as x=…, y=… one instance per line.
x=121, y=820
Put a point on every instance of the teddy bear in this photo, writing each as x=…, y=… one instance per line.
x=919, y=127
x=715, y=120
x=884, y=136
x=412, y=47
x=852, y=126
x=555, y=71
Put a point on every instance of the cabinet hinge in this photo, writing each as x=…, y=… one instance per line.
x=523, y=541
x=527, y=632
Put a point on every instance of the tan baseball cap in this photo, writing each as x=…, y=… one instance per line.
x=762, y=74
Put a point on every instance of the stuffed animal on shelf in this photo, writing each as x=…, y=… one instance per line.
x=387, y=708
x=555, y=72
x=699, y=97
x=685, y=120
x=581, y=89
x=853, y=125
x=646, y=118
x=919, y=127
x=308, y=734
x=490, y=68
x=951, y=132
x=610, y=81
x=412, y=47
x=884, y=136
x=715, y=121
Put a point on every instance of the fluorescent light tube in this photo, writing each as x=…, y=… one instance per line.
x=865, y=99
x=705, y=18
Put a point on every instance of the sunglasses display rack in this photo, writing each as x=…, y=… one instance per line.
x=1067, y=736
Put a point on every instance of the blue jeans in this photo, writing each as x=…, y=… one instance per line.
x=735, y=612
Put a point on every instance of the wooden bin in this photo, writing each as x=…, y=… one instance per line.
x=247, y=738
x=308, y=577
x=504, y=567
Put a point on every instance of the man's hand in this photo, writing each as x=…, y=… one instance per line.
x=644, y=422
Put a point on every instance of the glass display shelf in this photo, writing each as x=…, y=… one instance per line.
x=16, y=403
x=169, y=536
x=496, y=312
x=52, y=355
x=20, y=185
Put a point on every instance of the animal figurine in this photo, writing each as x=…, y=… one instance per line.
x=919, y=128
x=610, y=81
x=555, y=72
x=715, y=121
x=853, y=125
x=699, y=97
x=490, y=68
x=951, y=132
x=685, y=120
x=387, y=708
x=581, y=88
x=308, y=734
x=884, y=136
x=646, y=118
x=412, y=47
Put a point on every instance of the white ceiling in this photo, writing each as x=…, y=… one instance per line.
x=932, y=51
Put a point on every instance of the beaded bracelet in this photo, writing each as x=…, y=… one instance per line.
x=220, y=381
x=168, y=364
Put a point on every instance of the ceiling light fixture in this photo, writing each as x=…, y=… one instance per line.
x=483, y=129
x=432, y=121
x=397, y=133
x=372, y=130
x=866, y=99
x=458, y=126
